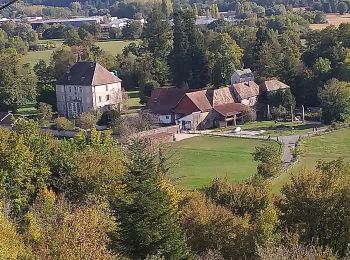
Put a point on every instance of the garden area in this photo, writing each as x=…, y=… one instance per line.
x=197, y=161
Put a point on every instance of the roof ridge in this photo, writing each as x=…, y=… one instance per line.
x=94, y=73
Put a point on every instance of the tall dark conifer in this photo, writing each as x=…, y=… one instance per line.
x=146, y=219
x=189, y=61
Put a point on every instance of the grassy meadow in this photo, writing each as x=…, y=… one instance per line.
x=332, y=19
x=110, y=46
x=327, y=147
x=197, y=161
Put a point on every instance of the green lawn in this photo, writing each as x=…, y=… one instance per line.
x=277, y=129
x=112, y=47
x=134, y=101
x=27, y=109
x=197, y=161
x=329, y=146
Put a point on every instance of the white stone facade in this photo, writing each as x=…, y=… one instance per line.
x=74, y=100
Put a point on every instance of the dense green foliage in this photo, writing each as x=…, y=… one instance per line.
x=146, y=216
x=92, y=197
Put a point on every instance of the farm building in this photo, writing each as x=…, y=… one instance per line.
x=203, y=109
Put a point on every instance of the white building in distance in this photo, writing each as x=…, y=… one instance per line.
x=87, y=86
x=240, y=76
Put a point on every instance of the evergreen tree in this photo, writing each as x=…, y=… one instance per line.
x=189, y=62
x=167, y=8
x=146, y=216
x=156, y=44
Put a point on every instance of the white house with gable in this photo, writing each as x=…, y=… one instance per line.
x=87, y=86
x=240, y=76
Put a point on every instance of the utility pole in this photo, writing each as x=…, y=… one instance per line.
x=291, y=112
x=268, y=111
x=303, y=113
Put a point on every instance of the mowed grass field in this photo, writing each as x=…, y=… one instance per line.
x=197, y=161
x=326, y=147
x=332, y=19
x=112, y=47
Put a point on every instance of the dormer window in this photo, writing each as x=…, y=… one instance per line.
x=69, y=78
x=83, y=78
x=155, y=100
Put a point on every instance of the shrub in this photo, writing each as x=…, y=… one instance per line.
x=269, y=157
x=248, y=115
x=87, y=120
x=45, y=113
x=146, y=90
x=64, y=124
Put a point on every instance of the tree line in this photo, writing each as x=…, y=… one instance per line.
x=92, y=197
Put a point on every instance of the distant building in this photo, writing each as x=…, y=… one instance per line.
x=85, y=87
x=115, y=23
x=240, y=76
x=75, y=22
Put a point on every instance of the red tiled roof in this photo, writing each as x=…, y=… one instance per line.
x=221, y=96
x=87, y=73
x=246, y=89
x=200, y=99
x=163, y=100
x=273, y=85
x=230, y=109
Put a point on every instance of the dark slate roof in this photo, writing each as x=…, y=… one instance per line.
x=164, y=100
x=87, y=74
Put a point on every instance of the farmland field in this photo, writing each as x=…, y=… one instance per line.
x=332, y=19
x=326, y=147
x=197, y=161
x=112, y=47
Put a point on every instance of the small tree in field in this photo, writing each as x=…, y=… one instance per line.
x=45, y=113
x=269, y=158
